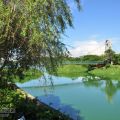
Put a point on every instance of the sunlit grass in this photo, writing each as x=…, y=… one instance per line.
x=111, y=73
x=72, y=71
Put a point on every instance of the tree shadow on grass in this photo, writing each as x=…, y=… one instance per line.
x=54, y=102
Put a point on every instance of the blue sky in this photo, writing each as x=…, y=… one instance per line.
x=97, y=21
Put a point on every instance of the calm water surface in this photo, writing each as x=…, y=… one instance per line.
x=87, y=98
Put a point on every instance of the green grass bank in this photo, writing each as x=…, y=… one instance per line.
x=74, y=71
x=110, y=73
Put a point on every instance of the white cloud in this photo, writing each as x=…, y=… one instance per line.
x=92, y=47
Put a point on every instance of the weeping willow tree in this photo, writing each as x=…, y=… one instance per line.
x=30, y=35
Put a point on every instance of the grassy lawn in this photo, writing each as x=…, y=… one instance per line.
x=111, y=73
x=72, y=71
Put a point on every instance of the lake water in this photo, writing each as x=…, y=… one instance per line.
x=87, y=98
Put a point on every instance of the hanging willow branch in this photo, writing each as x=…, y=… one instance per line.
x=30, y=33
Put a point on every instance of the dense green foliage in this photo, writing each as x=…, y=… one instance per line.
x=86, y=58
x=30, y=33
x=109, y=55
x=24, y=105
x=30, y=36
x=92, y=58
x=116, y=59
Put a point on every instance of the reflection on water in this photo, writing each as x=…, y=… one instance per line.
x=109, y=87
x=81, y=98
x=47, y=82
x=54, y=101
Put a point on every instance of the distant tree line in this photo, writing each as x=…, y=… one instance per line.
x=114, y=57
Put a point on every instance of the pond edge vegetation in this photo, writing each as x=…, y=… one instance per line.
x=108, y=72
